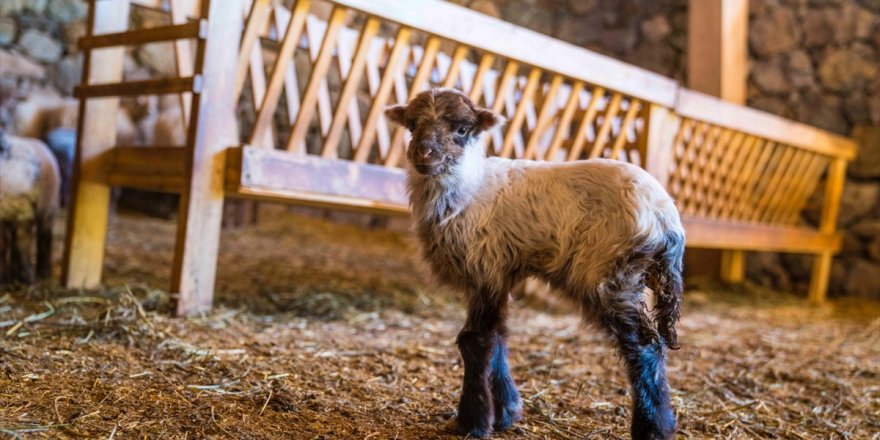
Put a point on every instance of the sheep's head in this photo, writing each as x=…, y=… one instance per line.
x=444, y=123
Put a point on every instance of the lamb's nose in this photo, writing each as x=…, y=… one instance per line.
x=426, y=153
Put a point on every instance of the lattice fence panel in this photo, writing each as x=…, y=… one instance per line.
x=321, y=81
x=718, y=173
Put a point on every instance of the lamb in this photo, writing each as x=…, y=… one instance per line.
x=29, y=195
x=599, y=231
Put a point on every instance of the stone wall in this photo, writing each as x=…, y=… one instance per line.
x=816, y=61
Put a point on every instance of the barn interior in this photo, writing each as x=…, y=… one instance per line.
x=323, y=321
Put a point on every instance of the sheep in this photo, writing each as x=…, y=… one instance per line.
x=29, y=196
x=599, y=231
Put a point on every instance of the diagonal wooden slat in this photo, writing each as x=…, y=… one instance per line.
x=605, y=130
x=770, y=183
x=718, y=192
x=782, y=188
x=520, y=113
x=345, y=46
x=753, y=180
x=295, y=142
x=349, y=90
x=713, y=169
x=563, y=127
x=392, y=68
x=476, y=91
x=500, y=97
x=628, y=120
x=256, y=21
x=315, y=31
x=455, y=65
x=291, y=38
x=789, y=207
x=419, y=83
x=692, y=191
x=580, y=136
x=820, y=163
x=754, y=149
x=183, y=57
x=544, y=117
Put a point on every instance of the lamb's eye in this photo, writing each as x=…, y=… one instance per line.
x=462, y=130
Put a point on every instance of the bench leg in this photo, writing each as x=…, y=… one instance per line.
x=196, y=249
x=733, y=266
x=819, y=278
x=90, y=195
x=212, y=129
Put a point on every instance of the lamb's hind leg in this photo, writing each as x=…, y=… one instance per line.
x=508, y=405
x=476, y=342
x=644, y=354
x=44, y=248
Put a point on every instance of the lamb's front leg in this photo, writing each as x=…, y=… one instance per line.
x=476, y=342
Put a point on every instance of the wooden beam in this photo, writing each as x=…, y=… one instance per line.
x=213, y=128
x=718, y=48
x=722, y=234
x=159, y=86
x=259, y=172
x=718, y=65
x=90, y=194
x=193, y=29
x=461, y=25
x=706, y=108
x=157, y=168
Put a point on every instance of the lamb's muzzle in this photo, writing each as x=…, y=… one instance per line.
x=599, y=231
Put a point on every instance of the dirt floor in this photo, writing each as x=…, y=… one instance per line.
x=328, y=331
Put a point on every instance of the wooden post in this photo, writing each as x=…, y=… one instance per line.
x=718, y=65
x=90, y=194
x=661, y=127
x=718, y=48
x=213, y=128
x=827, y=224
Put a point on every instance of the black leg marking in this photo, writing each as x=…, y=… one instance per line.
x=653, y=418
x=44, y=248
x=508, y=405
x=476, y=342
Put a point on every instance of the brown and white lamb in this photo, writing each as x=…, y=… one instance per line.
x=600, y=231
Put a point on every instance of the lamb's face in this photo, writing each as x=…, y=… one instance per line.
x=444, y=123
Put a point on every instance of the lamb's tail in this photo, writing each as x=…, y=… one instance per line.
x=665, y=279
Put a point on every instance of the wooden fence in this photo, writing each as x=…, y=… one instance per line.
x=311, y=83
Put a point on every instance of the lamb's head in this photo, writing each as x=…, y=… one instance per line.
x=444, y=124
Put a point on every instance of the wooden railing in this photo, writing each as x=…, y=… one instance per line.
x=557, y=112
x=315, y=82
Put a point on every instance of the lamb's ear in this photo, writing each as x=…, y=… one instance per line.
x=486, y=119
x=396, y=113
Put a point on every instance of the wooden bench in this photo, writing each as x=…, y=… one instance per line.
x=741, y=177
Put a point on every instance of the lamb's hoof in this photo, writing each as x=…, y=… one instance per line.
x=507, y=416
x=469, y=429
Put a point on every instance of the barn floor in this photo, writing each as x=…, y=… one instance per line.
x=327, y=331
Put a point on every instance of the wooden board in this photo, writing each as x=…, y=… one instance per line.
x=90, y=195
x=282, y=175
x=149, y=168
x=706, y=108
x=718, y=48
x=716, y=234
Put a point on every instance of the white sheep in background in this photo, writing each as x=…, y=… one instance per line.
x=29, y=195
x=600, y=231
